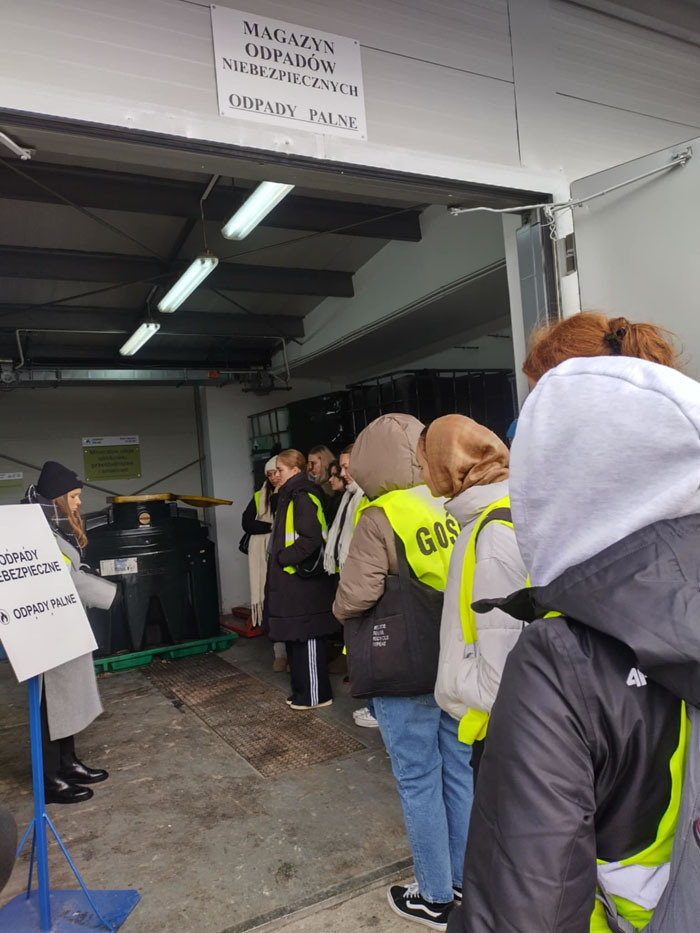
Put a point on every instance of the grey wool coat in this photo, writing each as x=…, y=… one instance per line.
x=72, y=698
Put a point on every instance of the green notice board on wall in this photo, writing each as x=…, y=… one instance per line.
x=12, y=486
x=112, y=457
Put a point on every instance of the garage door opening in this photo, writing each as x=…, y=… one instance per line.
x=354, y=274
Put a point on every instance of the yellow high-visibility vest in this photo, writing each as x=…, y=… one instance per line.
x=428, y=533
x=290, y=534
x=640, y=870
x=474, y=723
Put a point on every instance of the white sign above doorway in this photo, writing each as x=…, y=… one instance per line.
x=275, y=72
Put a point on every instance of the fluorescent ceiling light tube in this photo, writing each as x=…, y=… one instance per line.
x=259, y=204
x=141, y=335
x=193, y=276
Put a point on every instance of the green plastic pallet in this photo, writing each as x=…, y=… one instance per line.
x=125, y=662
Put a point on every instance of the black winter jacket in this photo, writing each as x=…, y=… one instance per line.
x=296, y=608
x=576, y=765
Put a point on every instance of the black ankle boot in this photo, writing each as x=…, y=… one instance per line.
x=56, y=790
x=75, y=772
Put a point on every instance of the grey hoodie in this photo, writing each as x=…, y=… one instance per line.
x=607, y=446
x=605, y=480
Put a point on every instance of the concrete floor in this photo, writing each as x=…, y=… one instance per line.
x=211, y=845
x=366, y=912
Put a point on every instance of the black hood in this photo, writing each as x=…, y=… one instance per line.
x=299, y=481
x=644, y=591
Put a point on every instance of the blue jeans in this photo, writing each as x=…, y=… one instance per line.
x=434, y=780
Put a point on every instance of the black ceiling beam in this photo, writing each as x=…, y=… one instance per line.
x=147, y=194
x=314, y=215
x=118, y=320
x=80, y=266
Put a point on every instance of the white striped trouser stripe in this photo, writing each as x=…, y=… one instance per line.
x=313, y=671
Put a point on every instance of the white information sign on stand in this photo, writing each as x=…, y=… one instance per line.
x=42, y=621
x=275, y=72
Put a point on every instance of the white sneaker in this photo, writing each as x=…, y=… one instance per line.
x=294, y=705
x=406, y=901
x=364, y=718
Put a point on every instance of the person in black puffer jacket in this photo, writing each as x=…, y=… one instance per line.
x=581, y=779
x=297, y=609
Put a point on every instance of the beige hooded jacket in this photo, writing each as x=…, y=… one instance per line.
x=383, y=459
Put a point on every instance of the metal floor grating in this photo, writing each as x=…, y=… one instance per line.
x=251, y=716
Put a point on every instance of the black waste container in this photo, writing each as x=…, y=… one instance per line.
x=160, y=556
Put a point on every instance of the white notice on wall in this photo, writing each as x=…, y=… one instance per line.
x=123, y=440
x=275, y=72
x=42, y=621
x=120, y=565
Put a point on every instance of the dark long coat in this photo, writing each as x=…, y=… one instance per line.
x=296, y=608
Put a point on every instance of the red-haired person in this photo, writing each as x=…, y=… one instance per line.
x=592, y=333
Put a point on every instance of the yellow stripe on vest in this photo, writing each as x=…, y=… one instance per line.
x=631, y=873
x=290, y=534
x=474, y=723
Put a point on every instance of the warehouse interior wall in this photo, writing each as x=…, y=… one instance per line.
x=225, y=413
x=398, y=279
x=526, y=93
x=49, y=424
x=489, y=351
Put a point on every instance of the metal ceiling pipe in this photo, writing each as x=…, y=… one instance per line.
x=46, y=377
x=49, y=330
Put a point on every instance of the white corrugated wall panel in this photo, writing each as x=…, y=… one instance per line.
x=437, y=73
x=89, y=51
x=607, y=61
x=593, y=137
x=470, y=35
x=413, y=107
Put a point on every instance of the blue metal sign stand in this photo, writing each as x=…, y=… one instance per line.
x=50, y=911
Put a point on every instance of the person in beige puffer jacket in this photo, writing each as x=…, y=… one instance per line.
x=430, y=765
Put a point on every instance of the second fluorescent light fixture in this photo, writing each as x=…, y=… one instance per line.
x=259, y=204
x=193, y=276
x=141, y=335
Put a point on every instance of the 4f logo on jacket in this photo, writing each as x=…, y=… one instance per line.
x=635, y=678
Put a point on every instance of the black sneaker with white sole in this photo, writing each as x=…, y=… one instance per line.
x=457, y=891
x=406, y=901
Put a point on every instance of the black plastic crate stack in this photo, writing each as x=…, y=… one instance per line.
x=487, y=396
